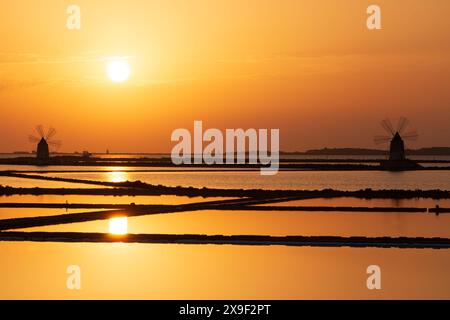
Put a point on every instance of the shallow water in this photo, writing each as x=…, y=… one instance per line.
x=357, y=202
x=31, y=183
x=284, y=180
x=275, y=223
x=165, y=199
x=154, y=271
x=142, y=271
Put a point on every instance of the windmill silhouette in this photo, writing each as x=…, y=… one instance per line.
x=44, y=142
x=396, y=137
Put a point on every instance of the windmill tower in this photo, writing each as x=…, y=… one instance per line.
x=43, y=152
x=397, y=148
x=44, y=141
x=396, y=138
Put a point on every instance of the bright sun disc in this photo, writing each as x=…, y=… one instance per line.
x=118, y=70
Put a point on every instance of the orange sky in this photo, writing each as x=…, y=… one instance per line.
x=308, y=67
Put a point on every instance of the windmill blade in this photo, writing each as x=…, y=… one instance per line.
x=381, y=139
x=55, y=143
x=40, y=131
x=387, y=125
x=33, y=138
x=402, y=124
x=412, y=136
x=51, y=132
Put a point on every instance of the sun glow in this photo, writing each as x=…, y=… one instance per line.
x=117, y=176
x=118, y=69
x=118, y=225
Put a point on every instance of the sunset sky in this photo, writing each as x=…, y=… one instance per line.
x=308, y=67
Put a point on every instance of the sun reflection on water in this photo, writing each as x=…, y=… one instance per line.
x=118, y=225
x=116, y=175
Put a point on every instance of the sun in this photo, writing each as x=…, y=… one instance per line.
x=118, y=70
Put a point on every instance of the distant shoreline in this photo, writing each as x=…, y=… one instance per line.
x=285, y=164
x=426, y=151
